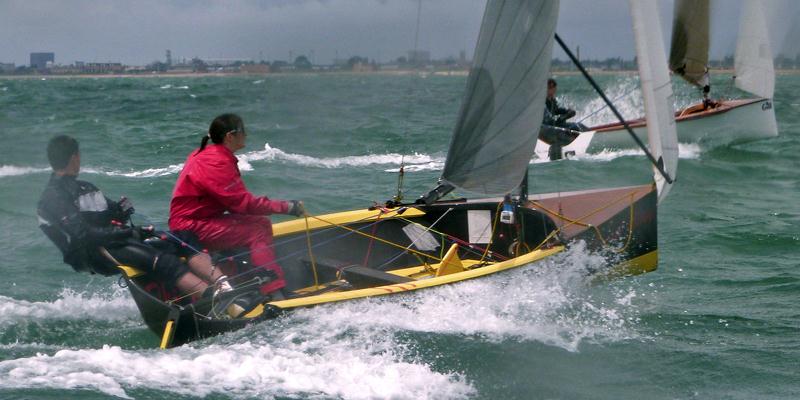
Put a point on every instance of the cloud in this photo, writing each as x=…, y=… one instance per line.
x=139, y=32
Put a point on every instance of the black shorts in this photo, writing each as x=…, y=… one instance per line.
x=185, y=243
x=164, y=266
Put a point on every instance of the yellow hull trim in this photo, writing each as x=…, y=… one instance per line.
x=411, y=286
x=341, y=218
x=635, y=266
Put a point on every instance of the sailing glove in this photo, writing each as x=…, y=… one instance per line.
x=296, y=208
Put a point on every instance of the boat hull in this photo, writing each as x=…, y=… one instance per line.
x=619, y=223
x=732, y=121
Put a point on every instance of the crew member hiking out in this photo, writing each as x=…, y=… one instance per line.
x=93, y=234
x=556, y=130
x=211, y=200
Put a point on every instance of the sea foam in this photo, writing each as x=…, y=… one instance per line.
x=356, y=349
x=13, y=170
x=274, y=154
x=70, y=304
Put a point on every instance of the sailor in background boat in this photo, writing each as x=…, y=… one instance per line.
x=556, y=130
x=94, y=235
x=708, y=103
x=211, y=200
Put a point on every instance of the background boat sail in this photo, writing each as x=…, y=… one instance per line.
x=405, y=247
x=726, y=120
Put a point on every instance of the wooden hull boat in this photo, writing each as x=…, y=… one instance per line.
x=731, y=121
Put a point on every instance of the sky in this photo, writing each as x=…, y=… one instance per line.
x=139, y=32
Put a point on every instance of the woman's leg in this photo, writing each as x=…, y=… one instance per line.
x=254, y=232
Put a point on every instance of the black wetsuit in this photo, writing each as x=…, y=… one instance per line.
x=557, y=116
x=77, y=217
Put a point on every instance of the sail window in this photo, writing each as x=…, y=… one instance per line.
x=420, y=237
x=480, y=226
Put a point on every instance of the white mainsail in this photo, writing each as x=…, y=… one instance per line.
x=497, y=127
x=656, y=90
x=753, y=62
x=688, y=56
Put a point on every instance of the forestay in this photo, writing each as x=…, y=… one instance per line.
x=688, y=54
x=498, y=125
x=753, y=62
x=656, y=90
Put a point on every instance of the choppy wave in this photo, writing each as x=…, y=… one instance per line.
x=413, y=162
x=70, y=305
x=13, y=170
x=145, y=173
x=351, y=350
x=626, y=97
x=169, y=86
x=243, y=370
x=685, y=151
x=274, y=154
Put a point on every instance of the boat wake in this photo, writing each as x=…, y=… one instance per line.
x=626, y=97
x=356, y=350
x=687, y=151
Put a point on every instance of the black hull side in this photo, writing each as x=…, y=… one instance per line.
x=189, y=325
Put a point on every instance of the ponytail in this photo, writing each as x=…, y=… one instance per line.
x=220, y=126
x=204, y=142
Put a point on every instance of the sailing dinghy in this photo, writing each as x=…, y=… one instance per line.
x=727, y=120
x=400, y=248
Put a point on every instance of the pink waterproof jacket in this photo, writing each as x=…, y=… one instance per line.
x=210, y=185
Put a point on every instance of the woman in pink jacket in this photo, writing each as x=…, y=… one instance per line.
x=211, y=200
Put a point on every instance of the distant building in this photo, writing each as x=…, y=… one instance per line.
x=7, y=67
x=99, y=68
x=39, y=60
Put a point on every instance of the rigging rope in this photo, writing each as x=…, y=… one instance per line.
x=311, y=253
x=407, y=249
x=579, y=221
x=384, y=241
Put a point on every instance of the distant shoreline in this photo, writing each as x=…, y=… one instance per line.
x=390, y=73
x=233, y=74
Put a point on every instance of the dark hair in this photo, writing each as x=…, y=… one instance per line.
x=551, y=82
x=60, y=149
x=220, y=126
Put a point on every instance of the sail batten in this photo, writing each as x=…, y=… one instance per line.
x=656, y=90
x=688, y=55
x=497, y=128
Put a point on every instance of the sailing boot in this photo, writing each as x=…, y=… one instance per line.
x=220, y=295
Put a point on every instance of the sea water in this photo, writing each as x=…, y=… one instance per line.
x=719, y=319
